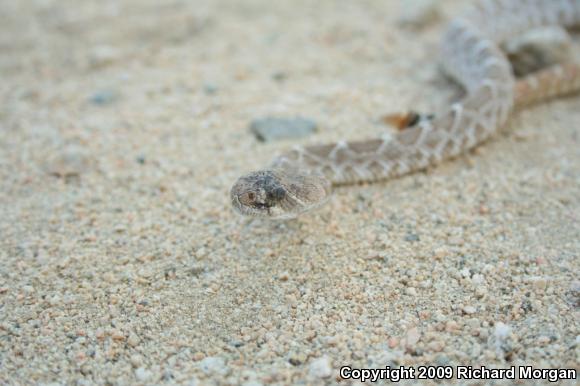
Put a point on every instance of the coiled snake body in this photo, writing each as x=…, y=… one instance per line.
x=301, y=179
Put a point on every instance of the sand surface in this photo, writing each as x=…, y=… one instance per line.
x=123, y=126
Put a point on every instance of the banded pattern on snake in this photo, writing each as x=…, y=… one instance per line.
x=302, y=178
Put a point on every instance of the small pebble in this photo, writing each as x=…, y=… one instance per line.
x=418, y=14
x=70, y=161
x=136, y=360
x=252, y=382
x=142, y=374
x=213, y=365
x=411, y=237
x=103, y=97
x=469, y=310
x=320, y=368
x=103, y=55
x=279, y=76
x=133, y=340
x=297, y=358
x=436, y=346
x=272, y=129
x=412, y=338
x=543, y=340
x=451, y=326
x=210, y=89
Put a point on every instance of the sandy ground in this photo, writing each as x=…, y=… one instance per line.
x=123, y=126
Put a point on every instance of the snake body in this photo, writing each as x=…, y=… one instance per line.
x=302, y=178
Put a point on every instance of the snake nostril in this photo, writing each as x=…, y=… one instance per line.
x=279, y=193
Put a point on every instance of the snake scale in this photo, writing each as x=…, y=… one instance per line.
x=302, y=179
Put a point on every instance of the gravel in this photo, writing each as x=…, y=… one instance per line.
x=119, y=271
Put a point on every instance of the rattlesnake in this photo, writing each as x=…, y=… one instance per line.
x=302, y=178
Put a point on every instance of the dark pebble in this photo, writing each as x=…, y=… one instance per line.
x=210, y=89
x=103, y=97
x=411, y=237
x=272, y=129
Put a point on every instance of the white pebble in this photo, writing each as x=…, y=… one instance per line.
x=133, y=340
x=136, y=360
x=68, y=161
x=320, y=368
x=478, y=279
x=469, y=310
x=502, y=331
x=213, y=365
x=142, y=374
x=412, y=338
x=419, y=13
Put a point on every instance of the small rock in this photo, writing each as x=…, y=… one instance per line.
x=411, y=291
x=425, y=284
x=210, y=89
x=133, y=340
x=320, y=368
x=478, y=279
x=411, y=237
x=440, y=253
x=412, y=338
x=117, y=335
x=436, y=346
x=103, y=97
x=28, y=289
x=297, y=359
x=540, y=283
x=502, y=330
x=252, y=382
x=543, y=340
x=442, y=360
x=473, y=323
x=279, y=76
x=451, y=326
x=213, y=365
x=103, y=55
x=500, y=337
x=538, y=48
x=68, y=162
x=193, y=382
x=418, y=14
x=86, y=369
x=480, y=291
x=469, y=310
x=465, y=272
x=142, y=374
x=284, y=276
x=457, y=241
x=136, y=360
x=272, y=129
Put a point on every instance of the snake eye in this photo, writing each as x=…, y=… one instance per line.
x=247, y=198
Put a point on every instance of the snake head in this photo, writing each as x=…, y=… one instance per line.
x=278, y=194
